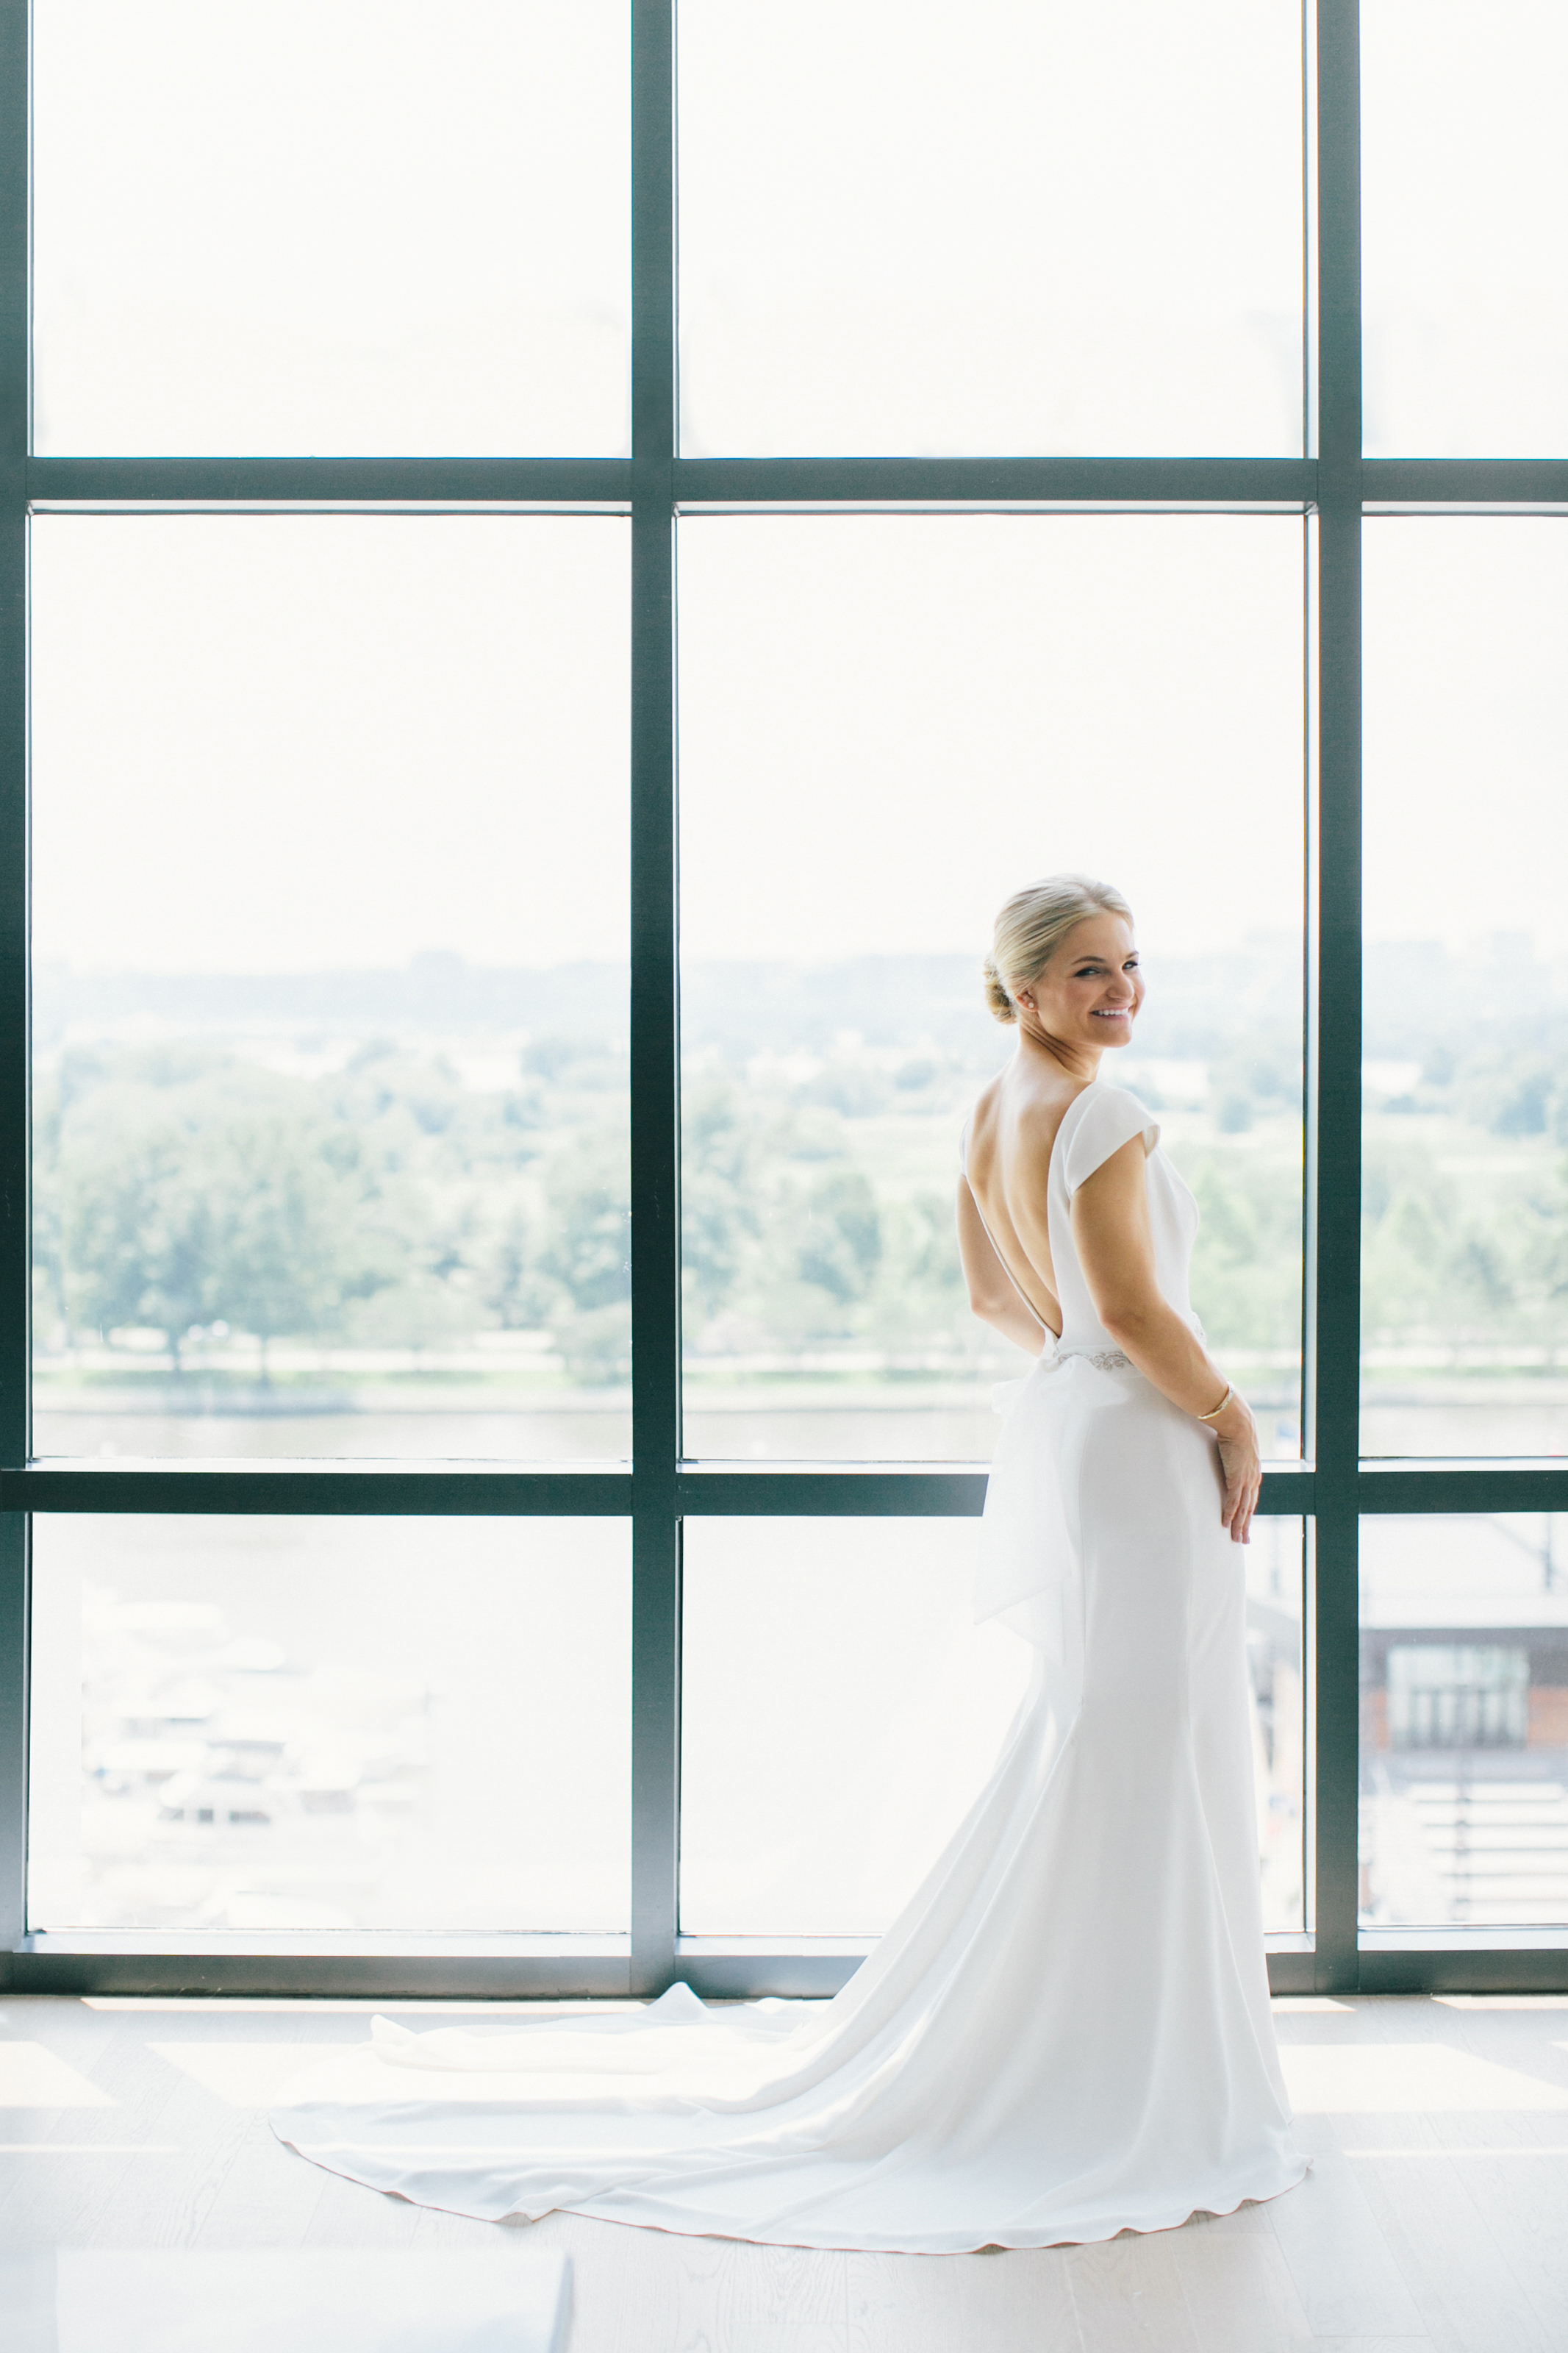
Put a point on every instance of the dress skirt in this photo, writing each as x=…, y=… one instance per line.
x=1065, y=2034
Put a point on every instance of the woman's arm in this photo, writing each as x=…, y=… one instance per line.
x=1116, y=1250
x=993, y=1295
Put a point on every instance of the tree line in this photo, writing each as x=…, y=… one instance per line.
x=181, y=1187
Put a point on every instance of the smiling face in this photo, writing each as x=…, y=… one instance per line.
x=1089, y=992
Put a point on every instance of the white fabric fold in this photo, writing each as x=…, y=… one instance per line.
x=1030, y=1569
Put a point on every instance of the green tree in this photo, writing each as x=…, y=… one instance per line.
x=513, y=1287
x=141, y=1234
x=587, y=1252
x=1246, y=1271
x=840, y=1240
x=294, y=1241
x=190, y=1198
x=720, y=1200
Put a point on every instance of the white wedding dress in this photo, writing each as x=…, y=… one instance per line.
x=1066, y=2033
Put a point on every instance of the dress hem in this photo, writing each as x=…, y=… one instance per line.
x=1009, y=2242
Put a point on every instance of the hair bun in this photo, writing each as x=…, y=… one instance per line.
x=998, y=1004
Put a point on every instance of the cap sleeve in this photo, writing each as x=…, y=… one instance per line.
x=1111, y=1118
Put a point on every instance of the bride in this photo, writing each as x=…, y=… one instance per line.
x=1066, y=2033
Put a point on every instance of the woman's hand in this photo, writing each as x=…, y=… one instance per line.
x=1238, y=1459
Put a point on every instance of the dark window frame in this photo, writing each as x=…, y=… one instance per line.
x=1332, y=1488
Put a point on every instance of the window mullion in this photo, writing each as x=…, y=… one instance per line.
x=656, y=1275
x=15, y=1278
x=1336, y=1177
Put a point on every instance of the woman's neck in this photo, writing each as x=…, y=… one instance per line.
x=1035, y=1045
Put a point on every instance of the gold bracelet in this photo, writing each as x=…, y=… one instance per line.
x=1219, y=1408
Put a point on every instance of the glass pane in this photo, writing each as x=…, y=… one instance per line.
x=815, y=1795
x=1464, y=1692
x=896, y=721
x=330, y=1000
x=411, y=234
x=1464, y=195
x=328, y=1723
x=1465, y=1187
x=1018, y=225
x=1276, y=1657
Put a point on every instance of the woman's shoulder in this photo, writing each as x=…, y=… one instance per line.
x=1099, y=1121
x=986, y=1102
x=982, y=1112
x=1096, y=1100
x=1112, y=1090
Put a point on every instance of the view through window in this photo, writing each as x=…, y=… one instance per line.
x=889, y=725
x=1464, y=1722
x=411, y=245
x=1018, y=235
x=1000, y=395
x=264, y=1724
x=329, y=1009
x=1465, y=1179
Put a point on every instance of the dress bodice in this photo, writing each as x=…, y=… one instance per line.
x=1095, y=1123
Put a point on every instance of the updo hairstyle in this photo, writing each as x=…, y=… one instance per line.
x=1032, y=926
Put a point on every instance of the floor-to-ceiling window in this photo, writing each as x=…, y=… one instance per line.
x=515, y=720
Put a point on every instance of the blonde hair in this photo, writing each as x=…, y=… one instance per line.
x=1032, y=926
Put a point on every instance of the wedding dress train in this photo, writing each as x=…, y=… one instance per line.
x=1066, y=2033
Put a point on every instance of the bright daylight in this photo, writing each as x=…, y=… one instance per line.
x=784, y=1237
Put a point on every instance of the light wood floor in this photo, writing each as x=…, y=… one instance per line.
x=1436, y=2214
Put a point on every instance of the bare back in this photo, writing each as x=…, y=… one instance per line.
x=1007, y=1158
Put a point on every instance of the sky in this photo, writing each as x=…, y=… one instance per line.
x=311, y=228
x=306, y=743
x=299, y=742
x=1465, y=745
x=291, y=742
x=888, y=724
x=1464, y=187
x=1032, y=238
x=1029, y=239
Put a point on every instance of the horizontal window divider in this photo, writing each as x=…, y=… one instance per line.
x=1480, y=482
x=831, y=1491
x=1265, y=482
x=307, y=1488
x=857, y=1948
x=344, y=1944
x=1449, y=1937
x=1445, y=1960
x=737, y=1969
x=1293, y=1966
x=779, y=1947
x=892, y=1490
x=541, y=1968
x=935, y=506
x=312, y=481
x=1398, y=510
x=1464, y=1486
x=310, y=1966
x=798, y=1969
x=1267, y=485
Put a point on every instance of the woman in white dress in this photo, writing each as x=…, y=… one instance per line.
x=1066, y=2033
